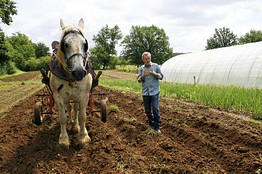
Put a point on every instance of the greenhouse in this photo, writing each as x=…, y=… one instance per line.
x=239, y=65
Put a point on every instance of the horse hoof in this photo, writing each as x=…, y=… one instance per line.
x=64, y=142
x=83, y=142
x=75, y=129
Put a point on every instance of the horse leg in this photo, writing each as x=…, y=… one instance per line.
x=69, y=110
x=63, y=137
x=84, y=139
x=75, y=123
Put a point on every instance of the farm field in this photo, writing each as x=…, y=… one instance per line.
x=194, y=139
x=17, y=88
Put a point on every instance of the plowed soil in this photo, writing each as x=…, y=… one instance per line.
x=194, y=139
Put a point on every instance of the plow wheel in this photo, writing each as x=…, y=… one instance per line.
x=38, y=116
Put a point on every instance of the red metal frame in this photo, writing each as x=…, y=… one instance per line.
x=91, y=103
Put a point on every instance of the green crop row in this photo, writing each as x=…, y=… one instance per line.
x=127, y=68
x=223, y=97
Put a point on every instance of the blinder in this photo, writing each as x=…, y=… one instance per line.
x=64, y=45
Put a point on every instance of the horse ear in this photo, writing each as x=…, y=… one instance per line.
x=62, y=25
x=81, y=23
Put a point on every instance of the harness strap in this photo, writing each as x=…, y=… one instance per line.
x=61, y=73
x=58, y=71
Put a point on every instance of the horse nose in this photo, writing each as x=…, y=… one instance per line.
x=78, y=74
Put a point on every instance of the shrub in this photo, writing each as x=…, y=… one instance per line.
x=11, y=69
x=43, y=62
x=34, y=64
x=7, y=67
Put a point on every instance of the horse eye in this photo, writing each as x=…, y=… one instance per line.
x=66, y=45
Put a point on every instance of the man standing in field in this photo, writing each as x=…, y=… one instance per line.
x=149, y=75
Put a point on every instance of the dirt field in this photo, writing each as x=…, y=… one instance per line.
x=193, y=140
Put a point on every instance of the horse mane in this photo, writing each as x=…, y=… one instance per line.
x=66, y=29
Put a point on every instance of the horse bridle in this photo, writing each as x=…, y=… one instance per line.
x=62, y=47
x=78, y=54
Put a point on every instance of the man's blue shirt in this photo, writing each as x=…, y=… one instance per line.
x=150, y=84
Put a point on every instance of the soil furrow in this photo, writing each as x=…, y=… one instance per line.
x=193, y=140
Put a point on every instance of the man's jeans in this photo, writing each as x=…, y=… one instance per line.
x=152, y=110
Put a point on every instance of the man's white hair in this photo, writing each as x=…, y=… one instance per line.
x=146, y=54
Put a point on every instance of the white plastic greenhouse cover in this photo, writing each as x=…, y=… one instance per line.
x=239, y=65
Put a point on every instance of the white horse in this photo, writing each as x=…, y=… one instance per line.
x=70, y=80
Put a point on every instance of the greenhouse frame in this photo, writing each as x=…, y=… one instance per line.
x=239, y=65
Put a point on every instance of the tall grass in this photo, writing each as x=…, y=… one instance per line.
x=224, y=97
x=127, y=68
x=17, y=72
x=122, y=84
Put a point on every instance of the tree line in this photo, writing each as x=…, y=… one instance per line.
x=223, y=37
x=18, y=51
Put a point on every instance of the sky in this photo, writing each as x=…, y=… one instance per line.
x=187, y=23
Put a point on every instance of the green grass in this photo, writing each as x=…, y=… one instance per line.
x=122, y=84
x=12, y=92
x=127, y=68
x=130, y=119
x=246, y=101
x=114, y=108
x=255, y=121
x=16, y=73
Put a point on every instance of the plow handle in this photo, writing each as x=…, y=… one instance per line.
x=98, y=75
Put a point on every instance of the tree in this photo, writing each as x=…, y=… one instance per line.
x=223, y=37
x=143, y=38
x=6, y=66
x=96, y=55
x=7, y=9
x=41, y=50
x=20, y=49
x=251, y=36
x=105, y=44
x=3, y=50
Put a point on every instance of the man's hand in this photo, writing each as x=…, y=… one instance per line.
x=153, y=72
x=145, y=73
x=150, y=71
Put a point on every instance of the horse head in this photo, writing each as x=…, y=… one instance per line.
x=72, y=52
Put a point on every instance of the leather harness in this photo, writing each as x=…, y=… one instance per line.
x=61, y=73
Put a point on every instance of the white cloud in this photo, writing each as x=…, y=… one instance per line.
x=187, y=23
